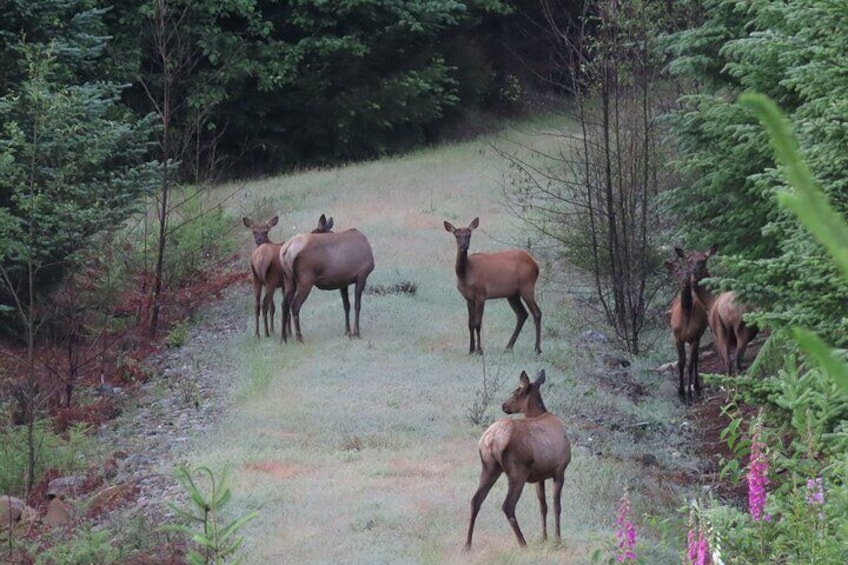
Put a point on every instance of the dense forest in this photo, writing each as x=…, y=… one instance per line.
x=115, y=111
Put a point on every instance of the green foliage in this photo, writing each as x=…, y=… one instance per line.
x=177, y=335
x=85, y=546
x=71, y=165
x=52, y=451
x=217, y=542
x=807, y=408
x=734, y=195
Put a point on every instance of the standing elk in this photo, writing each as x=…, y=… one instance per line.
x=688, y=324
x=266, y=267
x=529, y=450
x=508, y=274
x=724, y=314
x=327, y=261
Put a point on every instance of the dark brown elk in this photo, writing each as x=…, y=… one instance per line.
x=724, y=314
x=688, y=324
x=483, y=276
x=529, y=450
x=267, y=269
x=329, y=261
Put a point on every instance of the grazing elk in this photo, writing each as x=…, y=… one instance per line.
x=688, y=324
x=266, y=267
x=724, y=313
x=327, y=261
x=482, y=276
x=529, y=450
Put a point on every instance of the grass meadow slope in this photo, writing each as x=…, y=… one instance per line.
x=362, y=451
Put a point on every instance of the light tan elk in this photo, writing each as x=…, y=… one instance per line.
x=327, y=261
x=529, y=450
x=482, y=276
x=267, y=269
x=688, y=324
x=724, y=315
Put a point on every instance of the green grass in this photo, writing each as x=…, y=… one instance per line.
x=361, y=451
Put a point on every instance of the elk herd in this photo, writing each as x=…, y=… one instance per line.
x=530, y=449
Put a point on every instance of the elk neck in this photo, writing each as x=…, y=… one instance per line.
x=535, y=407
x=461, y=262
x=704, y=295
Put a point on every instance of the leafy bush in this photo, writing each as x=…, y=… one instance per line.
x=63, y=452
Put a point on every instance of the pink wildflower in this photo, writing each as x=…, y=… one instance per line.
x=757, y=479
x=815, y=492
x=699, y=549
x=626, y=534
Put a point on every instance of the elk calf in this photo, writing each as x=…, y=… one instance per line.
x=483, y=276
x=529, y=450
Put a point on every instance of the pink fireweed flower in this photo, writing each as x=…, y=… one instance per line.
x=626, y=534
x=815, y=492
x=757, y=479
x=699, y=549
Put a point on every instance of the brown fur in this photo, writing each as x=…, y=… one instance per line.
x=267, y=269
x=732, y=334
x=724, y=314
x=688, y=323
x=327, y=261
x=482, y=276
x=528, y=450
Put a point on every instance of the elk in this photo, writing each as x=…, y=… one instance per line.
x=508, y=274
x=266, y=267
x=688, y=324
x=529, y=450
x=724, y=314
x=328, y=261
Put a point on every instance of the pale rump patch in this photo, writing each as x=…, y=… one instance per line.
x=275, y=469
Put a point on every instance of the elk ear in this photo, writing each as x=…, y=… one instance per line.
x=680, y=252
x=524, y=380
x=474, y=223
x=273, y=221
x=713, y=250
x=248, y=223
x=449, y=227
x=540, y=378
x=322, y=221
x=329, y=224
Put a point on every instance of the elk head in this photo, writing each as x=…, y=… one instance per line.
x=260, y=231
x=463, y=235
x=695, y=263
x=526, y=399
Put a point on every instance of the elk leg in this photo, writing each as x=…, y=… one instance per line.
x=722, y=345
x=346, y=306
x=300, y=296
x=357, y=296
x=558, y=482
x=746, y=334
x=543, y=508
x=681, y=367
x=479, y=305
x=257, y=291
x=470, y=305
x=537, y=319
x=692, y=371
x=288, y=296
x=520, y=318
x=516, y=485
x=488, y=477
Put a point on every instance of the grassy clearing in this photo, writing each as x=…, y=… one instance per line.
x=361, y=451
